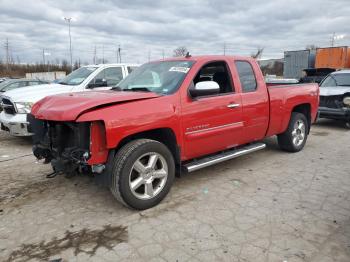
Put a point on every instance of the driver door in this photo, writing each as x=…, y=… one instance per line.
x=212, y=123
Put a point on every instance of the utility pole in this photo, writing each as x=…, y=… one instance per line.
x=163, y=54
x=103, y=54
x=94, y=59
x=69, y=19
x=7, y=46
x=336, y=37
x=120, y=54
x=224, y=48
x=332, y=39
x=43, y=56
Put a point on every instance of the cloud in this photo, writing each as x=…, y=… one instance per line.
x=146, y=28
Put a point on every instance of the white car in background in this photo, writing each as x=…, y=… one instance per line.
x=16, y=104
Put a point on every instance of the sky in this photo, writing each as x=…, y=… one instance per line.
x=147, y=30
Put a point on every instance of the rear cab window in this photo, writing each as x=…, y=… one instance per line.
x=246, y=76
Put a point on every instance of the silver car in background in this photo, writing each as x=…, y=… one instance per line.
x=335, y=97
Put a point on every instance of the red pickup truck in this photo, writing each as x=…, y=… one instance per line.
x=168, y=116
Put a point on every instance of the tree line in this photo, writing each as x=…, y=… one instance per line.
x=17, y=70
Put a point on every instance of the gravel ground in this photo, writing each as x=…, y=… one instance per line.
x=267, y=206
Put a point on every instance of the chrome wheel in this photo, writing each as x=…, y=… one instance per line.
x=298, y=133
x=148, y=175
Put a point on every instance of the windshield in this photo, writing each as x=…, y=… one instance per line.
x=336, y=80
x=4, y=84
x=77, y=76
x=163, y=77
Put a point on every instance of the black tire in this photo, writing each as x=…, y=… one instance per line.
x=123, y=163
x=285, y=140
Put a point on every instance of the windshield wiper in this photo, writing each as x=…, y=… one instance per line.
x=137, y=89
x=63, y=83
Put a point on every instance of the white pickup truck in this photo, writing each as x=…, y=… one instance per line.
x=16, y=104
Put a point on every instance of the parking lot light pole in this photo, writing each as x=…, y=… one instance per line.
x=69, y=19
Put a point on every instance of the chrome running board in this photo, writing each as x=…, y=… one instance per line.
x=227, y=155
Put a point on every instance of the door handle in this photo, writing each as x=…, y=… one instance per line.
x=233, y=105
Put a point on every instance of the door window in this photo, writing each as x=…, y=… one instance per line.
x=246, y=76
x=217, y=72
x=109, y=77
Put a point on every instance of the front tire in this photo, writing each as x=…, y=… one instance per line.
x=294, y=138
x=142, y=174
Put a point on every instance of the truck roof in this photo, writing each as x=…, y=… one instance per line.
x=205, y=58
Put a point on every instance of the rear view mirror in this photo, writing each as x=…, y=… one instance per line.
x=205, y=88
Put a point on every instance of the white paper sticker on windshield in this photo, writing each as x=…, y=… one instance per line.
x=179, y=69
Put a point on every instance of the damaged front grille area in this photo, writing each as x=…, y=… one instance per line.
x=65, y=144
x=69, y=140
x=331, y=101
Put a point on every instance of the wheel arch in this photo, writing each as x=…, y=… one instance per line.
x=304, y=109
x=163, y=135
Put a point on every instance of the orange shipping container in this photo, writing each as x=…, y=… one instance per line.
x=333, y=57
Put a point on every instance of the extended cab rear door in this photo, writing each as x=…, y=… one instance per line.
x=255, y=100
x=211, y=123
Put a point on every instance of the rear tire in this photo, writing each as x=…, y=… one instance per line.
x=142, y=174
x=294, y=138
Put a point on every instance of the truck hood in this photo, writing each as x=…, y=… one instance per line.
x=68, y=107
x=35, y=93
x=334, y=91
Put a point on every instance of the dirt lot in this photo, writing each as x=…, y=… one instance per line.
x=267, y=206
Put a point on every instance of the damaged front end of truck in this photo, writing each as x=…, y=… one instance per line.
x=62, y=138
x=69, y=146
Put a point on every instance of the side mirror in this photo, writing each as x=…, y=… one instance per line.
x=97, y=83
x=205, y=88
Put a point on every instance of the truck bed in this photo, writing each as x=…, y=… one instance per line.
x=282, y=101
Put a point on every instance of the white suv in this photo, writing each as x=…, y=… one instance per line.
x=16, y=104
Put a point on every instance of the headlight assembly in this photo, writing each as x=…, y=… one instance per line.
x=346, y=101
x=24, y=107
